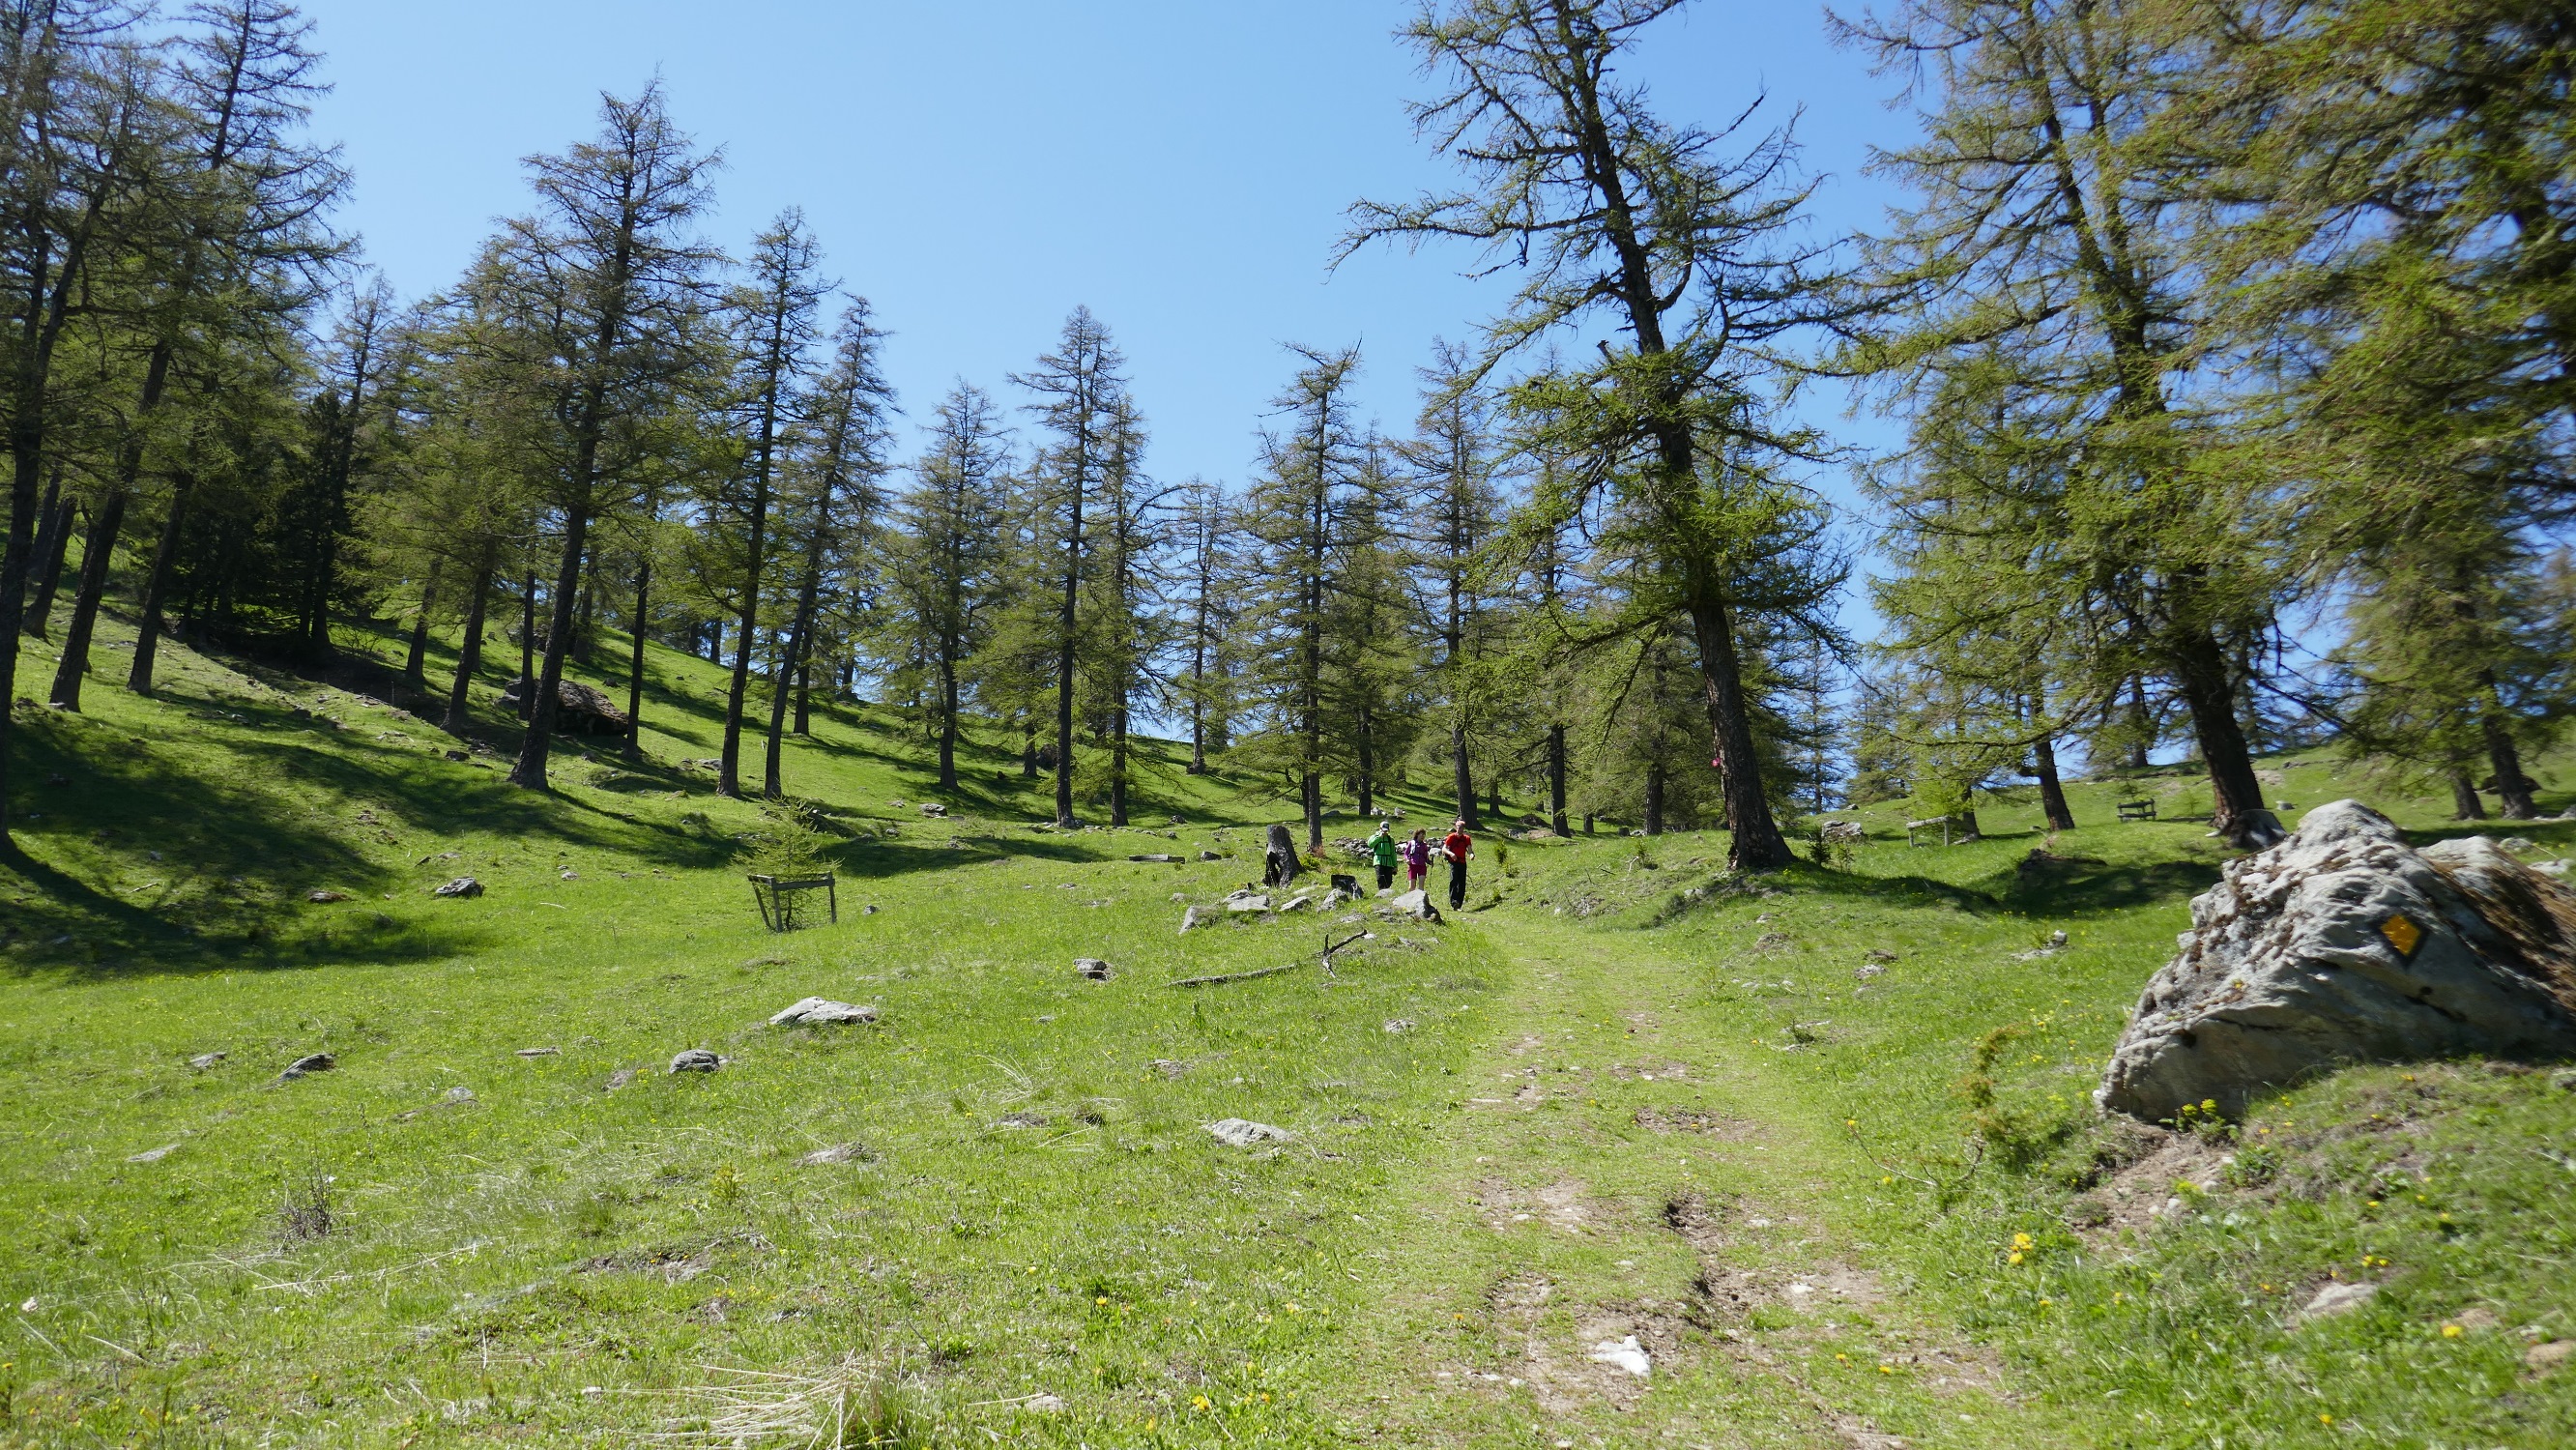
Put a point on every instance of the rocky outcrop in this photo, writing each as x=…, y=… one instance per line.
x=2343, y=944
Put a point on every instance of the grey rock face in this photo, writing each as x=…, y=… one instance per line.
x=461, y=886
x=696, y=1059
x=1243, y=1132
x=1198, y=916
x=1091, y=967
x=316, y=1062
x=2343, y=944
x=1416, y=904
x=823, y=1012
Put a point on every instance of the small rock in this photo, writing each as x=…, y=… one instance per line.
x=154, y=1155
x=1867, y=972
x=1245, y=905
x=837, y=1153
x=540, y=1052
x=1198, y=916
x=2557, y=868
x=1876, y=955
x=459, y=755
x=461, y=886
x=2516, y=844
x=1169, y=1068
x=316, y=1062
x=933, y=808
x=1243, y=1133
x=2339, y=1299
x=1398, y=1025
x=456, y=1097
x=1092, y=968
x=822, y=1011
x=2542, y=1358
x=205, y=1060
x=569, y=874
x=1155, y=856
x=1211, y=855
x=324, y=893
x=1022, y=1119
x=1298, y=902
x=1043, y=1403
x=1415, y=904
x=2565, y=1081
x=867, y=911
x=1625, y=1353
x=621, y=1078
x=696, y=1059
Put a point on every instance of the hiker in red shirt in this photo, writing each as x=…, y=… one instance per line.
x=1456, y=847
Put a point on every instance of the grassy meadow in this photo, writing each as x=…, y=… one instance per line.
x=1820, y=1144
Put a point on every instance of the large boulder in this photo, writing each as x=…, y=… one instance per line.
x=2344, y=944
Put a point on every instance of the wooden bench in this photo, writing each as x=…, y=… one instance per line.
x=1944, y=824
x=2142, y=810
x=782, y=899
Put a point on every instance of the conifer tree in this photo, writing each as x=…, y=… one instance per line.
x=946, y=571
x=1080, y=389
x=598, y=286
x=1683, y=244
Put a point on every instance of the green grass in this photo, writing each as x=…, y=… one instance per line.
x=1633, y=1098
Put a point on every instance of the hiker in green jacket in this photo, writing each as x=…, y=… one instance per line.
x=1382, y=851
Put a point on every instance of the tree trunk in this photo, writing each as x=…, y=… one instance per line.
x=1655, y=798
x=1118, y=765
x=948, y=720
x=2513, y=788
x=85, y=601
x=156, y=587
x=1754, y=842
x=1461, y=779
x=53, y=540
x=1494, y=798
x=584, y=639
x=528, y=644
x=417, y=659
x=635, y=662
x=2052, y=795
x=1556, y=778
x=530, y=771
x=2142, y=744
x=1064, y=661
x=2465, y=805
x=469, y=654
x=2239, y=815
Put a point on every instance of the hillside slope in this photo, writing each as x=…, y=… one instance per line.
x=1622, y=1098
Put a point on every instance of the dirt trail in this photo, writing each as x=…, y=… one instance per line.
x=1629, y=1186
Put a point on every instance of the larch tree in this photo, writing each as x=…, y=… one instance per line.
x=600, y=281
x=1679, y=238
x=2045, y=271
x=1081, y=390
x=773, y=310
x=946, y=573
x=846, y=433
x=1298, y=513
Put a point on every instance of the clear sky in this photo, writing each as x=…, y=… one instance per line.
x=979, y=169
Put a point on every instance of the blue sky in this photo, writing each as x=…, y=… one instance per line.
x=979, y=169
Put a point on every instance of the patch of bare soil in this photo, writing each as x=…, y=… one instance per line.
x=1727, y=1297
x=676, y=1263
x=1692, y=1120
x=2142, y=1191
x=1562, y=1205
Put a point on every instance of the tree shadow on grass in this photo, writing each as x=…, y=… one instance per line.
x=217, y=898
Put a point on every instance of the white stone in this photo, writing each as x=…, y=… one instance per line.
x=1243, y=1132
x=1626, y=1353
x=822, y=1011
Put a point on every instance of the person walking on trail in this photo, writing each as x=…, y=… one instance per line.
x=1456, y=847
x=1417, y=860
x=1382, y=853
